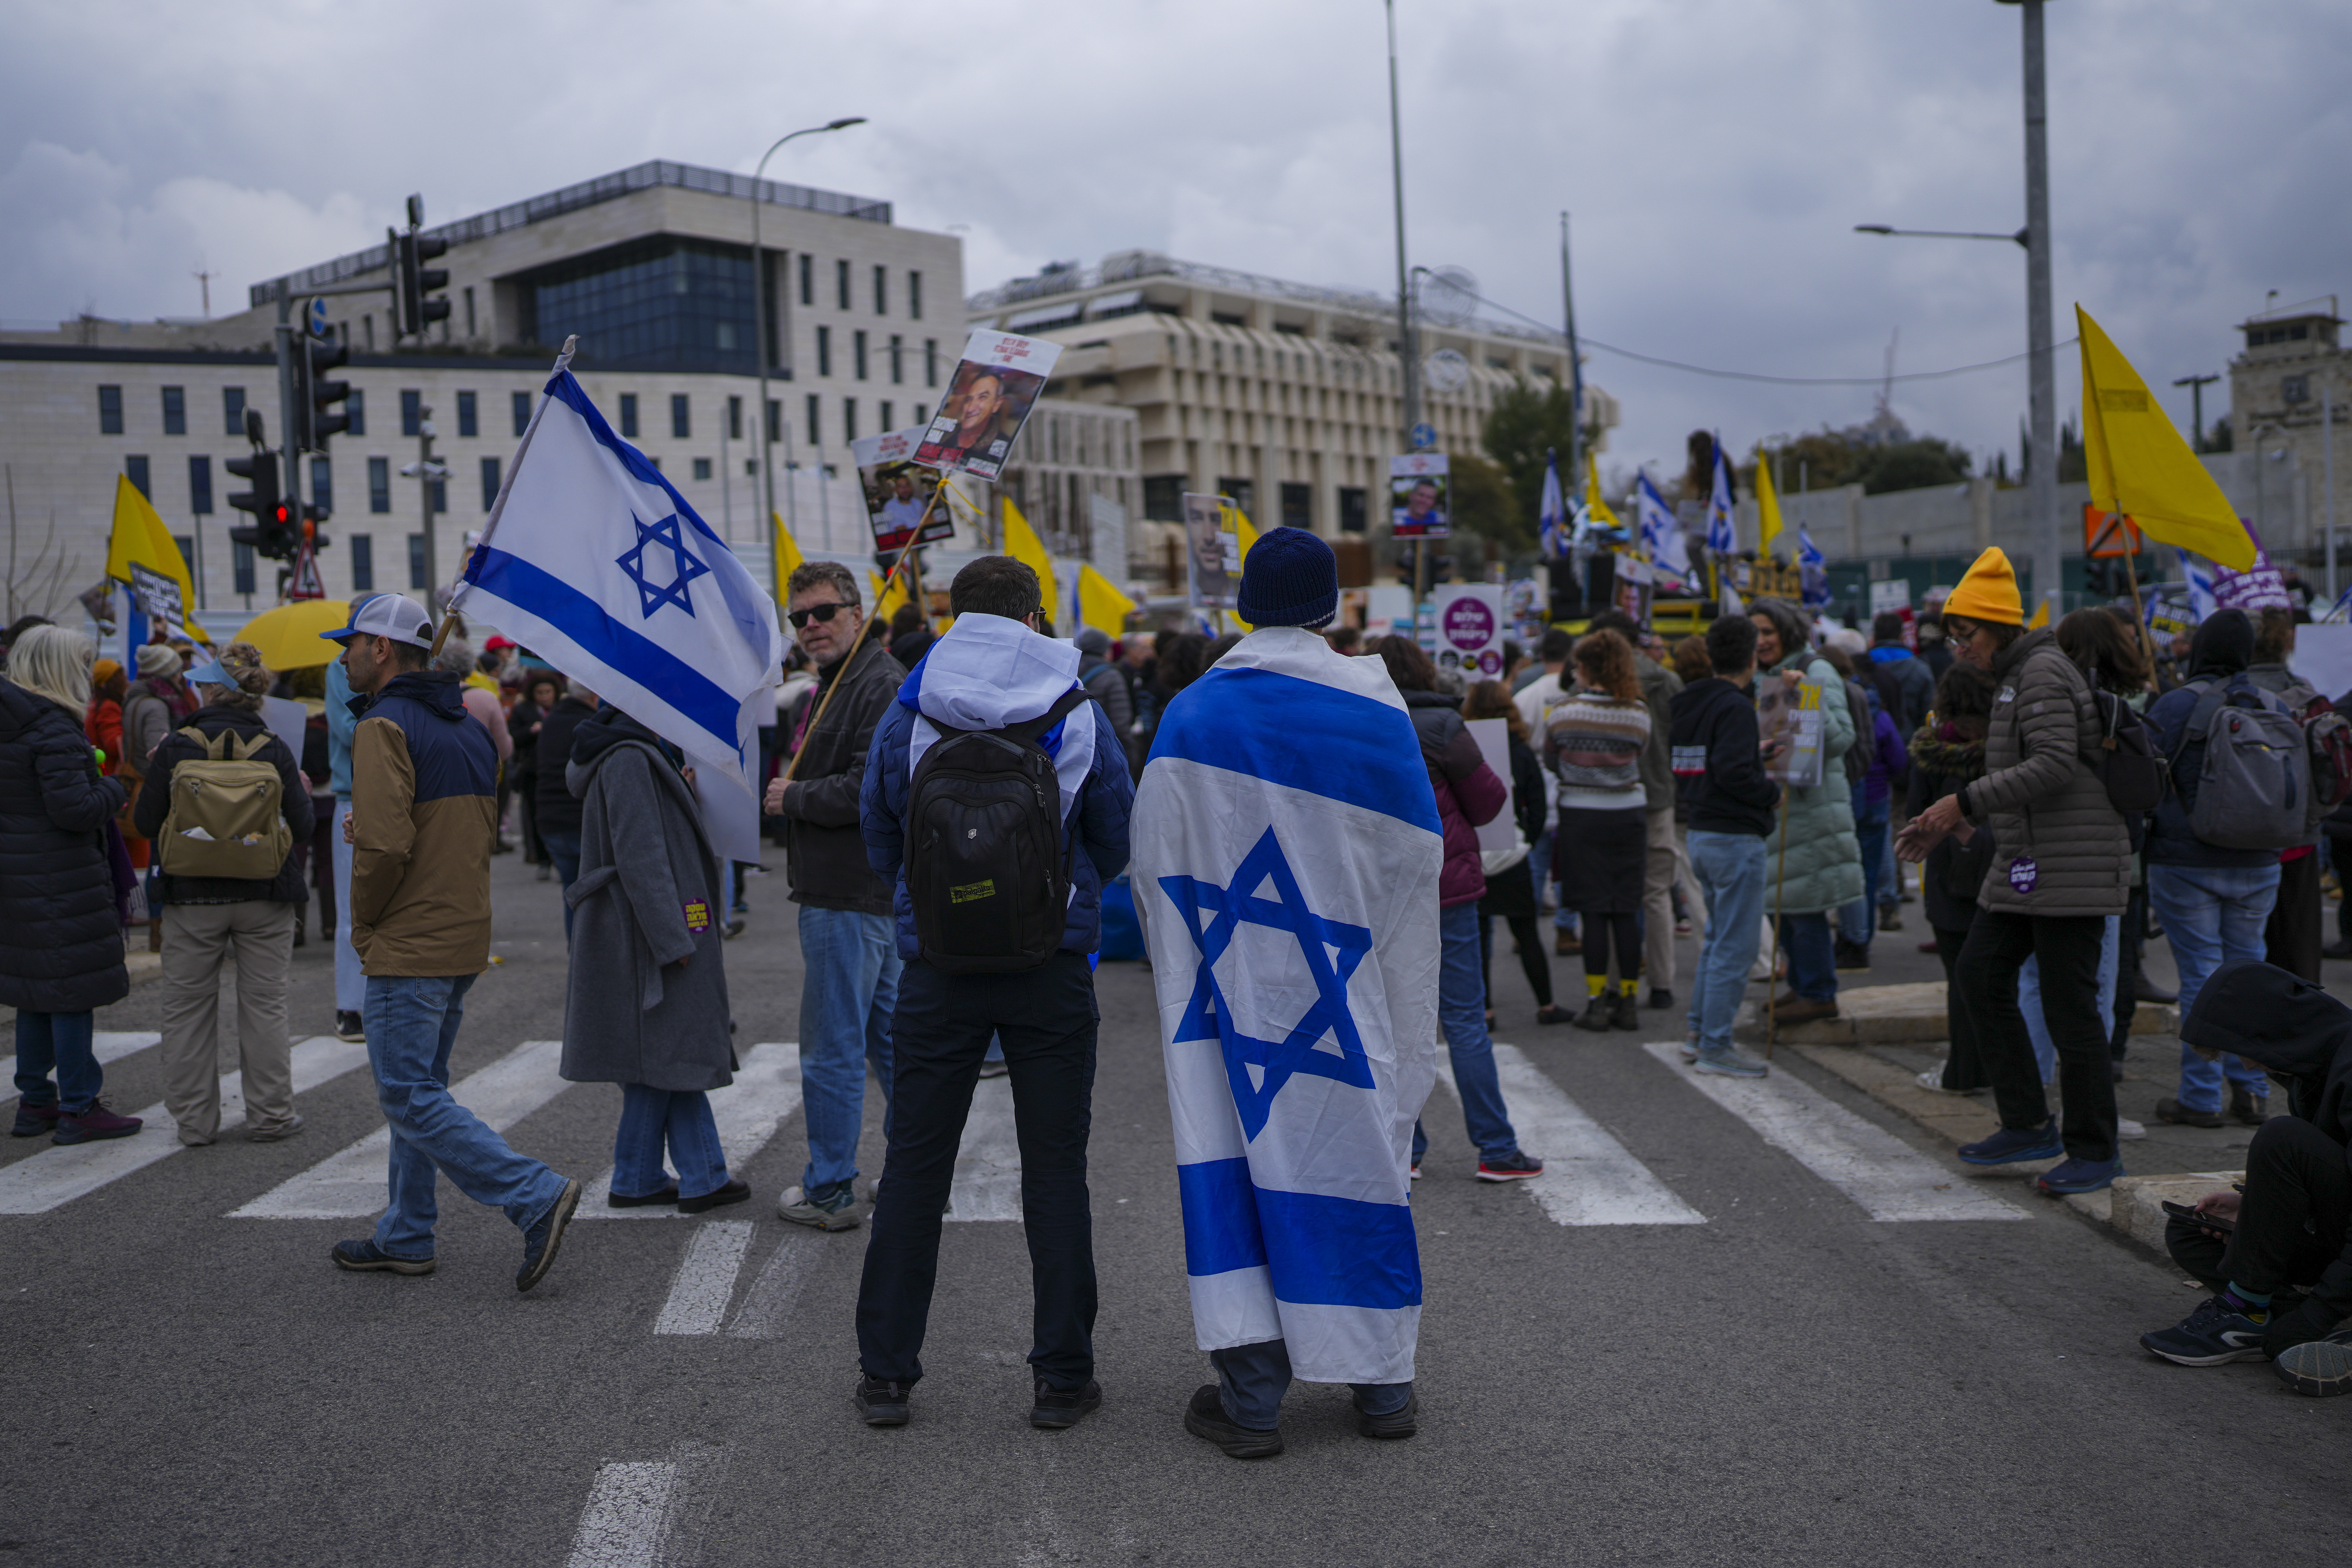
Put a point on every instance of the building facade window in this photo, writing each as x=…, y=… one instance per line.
x=888, y=408
x=185, y=543
x=379, y=484
x=1351, y=509
x=898, y=360
x=322, y=483
x=362, y=549
x=858, y=353
x=930, y=361
x=702, y=467
x=775, y=420
x=849, y=419
x=808, y=279
x=825, y=350
x=439, y=489
x=489, y=483
x=815, y=429
x=469, y=313
x=628, y=416
x=1163, y=497
x=469, y=415
x=520, y=409
x=356, y=405
x=412, y=412
x=110, y=411
x=367, y=330
x=734, y=418
x=841, y=284
x=658, y=303
x=680, y=418
x=240, y=567
x=175, y=411
x=1297, y=506
x=135, y=467
x=915, y=296
x=200, y=484
x=881, y=290
x=416, y=579
x=233, y=410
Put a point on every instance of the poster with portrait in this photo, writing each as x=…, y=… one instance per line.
x=988, y=397
x=1470, y=630
x=1212, y=553
x=1789, y=721
x=1419, y=495
x=899, y=491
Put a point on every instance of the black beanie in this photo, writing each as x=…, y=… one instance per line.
x=1291, y=579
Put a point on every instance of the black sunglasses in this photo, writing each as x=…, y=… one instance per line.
x=815, y=613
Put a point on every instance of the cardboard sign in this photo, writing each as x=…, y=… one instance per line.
x=1212, y=553
x=1470, y=631
x=1790, y=718
x=988, y=397
x=899, y=491
x=1494, y=737
x=158, y=596
x=1419, y=495
x=1893, y=593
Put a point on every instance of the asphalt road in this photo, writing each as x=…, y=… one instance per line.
x=1784, y=1378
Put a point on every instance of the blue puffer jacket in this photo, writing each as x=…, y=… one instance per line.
x=988, y=672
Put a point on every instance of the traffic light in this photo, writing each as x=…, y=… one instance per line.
x=271, y=533
x=313, y=514
x=412, y=280
x=316, y=412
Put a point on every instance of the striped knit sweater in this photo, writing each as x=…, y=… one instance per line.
x=1594, y=744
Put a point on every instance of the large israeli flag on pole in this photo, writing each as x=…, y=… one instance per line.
x=2201, y=602
x=1661, y=530
x=593, y=561
x=1551, y=511
x=1285, y=858
x=1719, y=535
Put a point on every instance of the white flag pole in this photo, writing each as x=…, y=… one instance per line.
x=458, y=589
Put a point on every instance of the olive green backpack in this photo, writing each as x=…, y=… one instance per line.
x=226, y=816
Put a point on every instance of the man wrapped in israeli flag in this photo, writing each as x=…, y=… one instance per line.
x=1287, y=851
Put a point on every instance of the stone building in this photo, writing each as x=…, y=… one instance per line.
x=2293, y=371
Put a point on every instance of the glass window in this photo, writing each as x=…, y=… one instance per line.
x=356, y=405
x=881, y=290
x=849, y=419
x=136, y=468
x=825, y=350
x=200, y=484
x=930, y=361
x=440, y=490
x=701, y=467
x=362, y=549
x=897, y=362
x=680, y=425
x=469, y=313
x=110, y=411
x=175, y=411
x=841, y=283
x=240, y=567
x=858, y=352
x=808, y=279
x=322, y=482
x=658, y=303
x=887, y=409
x=521, y=401
x=412, y=412
x=775, y=420
x=815, y=429
x=416, y=579
x=734, y=418
x=490, y=482
x=915, y=295
x=628, y=415
x=379, y=484
x=469, y=415
x=233, y=411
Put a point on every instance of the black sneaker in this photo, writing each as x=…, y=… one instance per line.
x=2247, y=1108
x=1055, y=1408
x=1661, y=997
x=2180, y=1115
x=1206, y=1417
x=365, y=1256
x=348, y=1026
x=36, y=1120
x=881, y=1404
x=1403, y=1422
x=545, y=1235
x=736, y=1189
x=1516, y=1166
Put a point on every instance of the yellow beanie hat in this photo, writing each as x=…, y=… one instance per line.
x=1987, y=592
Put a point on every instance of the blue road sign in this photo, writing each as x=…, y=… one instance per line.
x=317, y=318
x=1424, y=437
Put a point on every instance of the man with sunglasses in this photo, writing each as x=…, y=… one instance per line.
x=848, y=949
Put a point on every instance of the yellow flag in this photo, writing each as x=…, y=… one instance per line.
x=788, y=554
x=2138, y=465
x=1022, y=543
x=2041, y=616
x=1244, y=535
x=141, y=540
x=1768, y=503
x=1595, y=508
x=887, y=603
x=1100, y=604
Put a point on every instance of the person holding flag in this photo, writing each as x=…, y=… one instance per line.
x=1286, y=793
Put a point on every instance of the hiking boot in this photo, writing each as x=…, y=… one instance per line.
x=545, y=1235
x=2180, y=1115
x=2070, y=1176
x=365, y=1256
x=735, y=1191
x=2320, y=1368
x=1206, y=1417
x=833, y=1207
x=1401, y=1422
x=2213, y=1335
x=348, y=1028
x=1056, y=1409
x=2247, y=1108
x=1729, y=1062
x=1595, y=1016
x=1567, y=944
x=1516, y=1166
x=96, y=1122
x=32, y=1121
x=880, y=1403
x=1803, y=1010
x=2009, y=1146
x=1624, y=1013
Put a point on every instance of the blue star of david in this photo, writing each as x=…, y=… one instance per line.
x=1207, y=1015
x=665, y=534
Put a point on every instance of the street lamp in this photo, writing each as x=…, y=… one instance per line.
x=759, y=313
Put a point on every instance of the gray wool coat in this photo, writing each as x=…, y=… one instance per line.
x=631, y=1014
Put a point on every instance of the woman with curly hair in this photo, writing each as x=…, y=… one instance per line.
x=1599, y=851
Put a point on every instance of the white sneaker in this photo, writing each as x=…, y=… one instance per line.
x=1932, y=1078
x=2127, y=1131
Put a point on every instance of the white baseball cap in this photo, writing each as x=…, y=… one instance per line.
x=393, y=615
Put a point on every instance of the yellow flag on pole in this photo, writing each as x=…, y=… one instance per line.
x=2041, y=616
x=141, y=540
x=887, y=602
x=1100, y=604
x=1594, y=507
x=1768, y=504
x=1022, y=543
x=2138, y=465
x=1244, y=535
x=788, y=555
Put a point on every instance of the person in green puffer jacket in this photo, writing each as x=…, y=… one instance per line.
x=1821, y=868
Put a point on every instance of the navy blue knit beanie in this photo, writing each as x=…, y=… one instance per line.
x=1291, y=579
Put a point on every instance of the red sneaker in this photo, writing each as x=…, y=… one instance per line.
x=1512, y=1167
x=97, y=1121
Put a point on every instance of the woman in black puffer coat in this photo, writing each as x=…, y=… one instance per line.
x=60, y=937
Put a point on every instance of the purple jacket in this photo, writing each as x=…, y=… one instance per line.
x=1469, y=795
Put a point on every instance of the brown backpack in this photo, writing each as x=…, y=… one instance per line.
x=227, y=818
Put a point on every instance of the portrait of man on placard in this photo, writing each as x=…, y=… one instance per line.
x=1418, y=505
x=985, y=404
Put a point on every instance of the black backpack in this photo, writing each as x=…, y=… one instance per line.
x=2128, y=761
x=986, y=870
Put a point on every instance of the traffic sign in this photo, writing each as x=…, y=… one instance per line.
x=2108, y=534
x=1424, y=437
x=317, y=318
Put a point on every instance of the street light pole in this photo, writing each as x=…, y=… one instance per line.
x=1408, y=354
x=2041, y=395
x=759, y=314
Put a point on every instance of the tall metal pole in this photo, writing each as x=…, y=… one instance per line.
x=2327, y=477
x=1575, y=370
x=2042, y=406
x=1408, y=352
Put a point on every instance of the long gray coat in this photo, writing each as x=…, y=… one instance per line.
x=631, y=1014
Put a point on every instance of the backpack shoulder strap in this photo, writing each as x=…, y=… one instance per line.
x=249, y=746
x=1029, y=730
x=2212, y=694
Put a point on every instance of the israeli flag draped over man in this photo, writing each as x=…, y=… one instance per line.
x=593, y=561
x=1286, y=853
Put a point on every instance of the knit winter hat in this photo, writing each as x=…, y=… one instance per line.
x=1987, y=592
x=1291, y=579
x=104, y=670
x=157, y=659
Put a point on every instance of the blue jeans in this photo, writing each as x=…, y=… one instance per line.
x=1731, y=877
x=2029, y=997
x=563, y=848
x=1539, y=861
x=1462, y=1010
x=412, y=1023
x=350, y=980
x=679, y=1118
x=2212, y=915
x=849, y=988
x=60, y=1042
x=1254, y=1378
x=1813, y=961
x=1858, y=921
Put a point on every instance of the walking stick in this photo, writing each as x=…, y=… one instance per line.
x=1779, y=881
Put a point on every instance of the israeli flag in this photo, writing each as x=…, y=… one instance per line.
x=2201, y=602
x=1659, y=530
x=1719, y=537
x=592, y=560
x=1285, y=858
x=1551, y=511
x=1812, y=571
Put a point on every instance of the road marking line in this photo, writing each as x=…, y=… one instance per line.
x=62, y=1172
x=114, y=1045
x=706, y=1279
x=627, y=1512
x=350, y=1184
x=1891, y=1180
x=1588, y=1178
x=766, y=1090
x=778, y=1289
x=988, y=1163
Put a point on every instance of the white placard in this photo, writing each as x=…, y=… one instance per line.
x=286, y=720
x=1494, y=737
x=2322, y=656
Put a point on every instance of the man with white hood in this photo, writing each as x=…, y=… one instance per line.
x=996, y=913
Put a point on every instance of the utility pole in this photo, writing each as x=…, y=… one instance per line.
x=2196, y=386
x=2042, y=397
x=205, y=281
x=1575, y=371
x=2327, y=479
x=1408, y=351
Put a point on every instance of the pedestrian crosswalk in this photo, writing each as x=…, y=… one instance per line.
x=988, y=1161
x=766, y=1090
x=1588, y=1178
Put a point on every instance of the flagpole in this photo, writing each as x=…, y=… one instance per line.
x=458, y=589
x=2131, y=580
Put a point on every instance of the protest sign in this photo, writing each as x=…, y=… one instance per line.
x=1788, y=720
x=2260, y=587
x=898, y=490
x=158, y=596
x=987, y=399
x=1212, y=553
x=1470, y=630
x=2322, y=656
x=1893, y=593
x=1418, y=500
x=1501, y=831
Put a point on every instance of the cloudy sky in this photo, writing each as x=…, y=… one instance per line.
x=1715, y=155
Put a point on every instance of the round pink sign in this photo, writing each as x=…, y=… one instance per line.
x=1469, y=624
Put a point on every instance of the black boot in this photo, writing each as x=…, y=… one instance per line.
x=1624, y=1012
x=1596, y=1016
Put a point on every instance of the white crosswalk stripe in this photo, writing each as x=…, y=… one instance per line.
x=1890, y=1180
x=988, y=1161
x=350, y=1184
x=766, y=1090
x=1588, y=1177
x=705, y=1281
x=114, y=1045
x=778, y=1289
x=63, y=1172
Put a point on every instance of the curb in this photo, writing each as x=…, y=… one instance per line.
x=1901, y=1016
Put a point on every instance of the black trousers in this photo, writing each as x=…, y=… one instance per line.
x=1603, y=926
x=2292, y=1220
x=2291, y=939
x=2068, y=946
x=1534, y=962
x=1964, y=1068
x=1046, y=1018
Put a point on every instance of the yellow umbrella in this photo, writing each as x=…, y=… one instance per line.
x=289, y=637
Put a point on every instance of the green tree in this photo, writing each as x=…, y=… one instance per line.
x=1824, y=459
x=1528, y=423
x=1487, y=509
